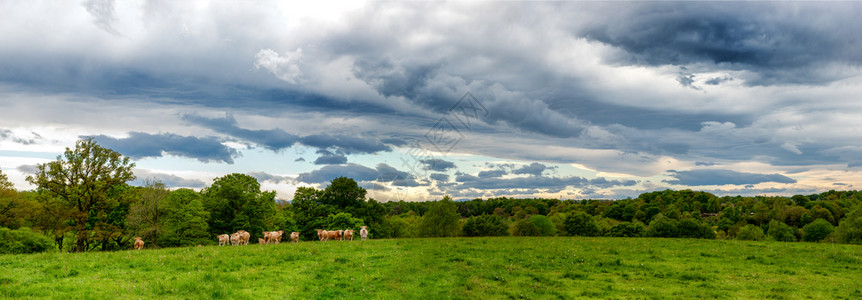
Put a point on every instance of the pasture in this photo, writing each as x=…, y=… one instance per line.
x=499, y=267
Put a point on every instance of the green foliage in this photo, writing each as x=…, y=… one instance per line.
x=582, y=224
x=485, y=225
x=184, y=219
x=850, y=228
x=780, y=232
x=627, y=229
x=525, y=227
x=662, y=226
x=441, y=219
x=23, y=241
x=817, y=230
x=344, y=192
x=235, y=202
x=144, y=214
x=750, y=232
x=85, y=181
x=692, y=228
x=344, y=221
x=402, y=226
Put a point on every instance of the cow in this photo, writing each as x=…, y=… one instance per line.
x=261, y=241
x=139, y=244
x=331, y=234
x=294, y=237
x=363, y=232
x=322, y=235
x=244, y=236
x=266, y=236
x=223, y=239
x=348, y=234
x=278, y=236
x=234, y=238
x=340, y=235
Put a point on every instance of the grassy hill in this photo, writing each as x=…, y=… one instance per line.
x=519, y=267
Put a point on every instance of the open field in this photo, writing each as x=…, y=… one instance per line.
x=519, y=267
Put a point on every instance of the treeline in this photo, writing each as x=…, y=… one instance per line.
x=83, y=203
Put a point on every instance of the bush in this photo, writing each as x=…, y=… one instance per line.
x=441, y=220
x=691, y=228
x=750, y=233
x=582, y=224
x=525, y=227
x=24, y=241
x=780, y=232
x=485, y=225
x=627, y=229
x=850, y=228
x=545, y=226
x=663, y=226
x=817, y=230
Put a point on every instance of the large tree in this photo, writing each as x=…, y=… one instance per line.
x=441, y=219
x=235, y=202
x=88, y=182
x=144, y=215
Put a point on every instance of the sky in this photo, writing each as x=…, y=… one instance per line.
x=416, y=100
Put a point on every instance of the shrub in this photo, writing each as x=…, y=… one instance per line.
x=850, y=228
x=694, y=229
x=545, y=226
x=442, y=219
x=817, y=230
x=24, y=241
x=750, y=233
x=582, y=224
x=663, y=226
x=627, y=229
x=525, y=227
x=780, y=232
x=485, y=225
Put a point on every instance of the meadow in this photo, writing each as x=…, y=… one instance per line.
x=488, y=267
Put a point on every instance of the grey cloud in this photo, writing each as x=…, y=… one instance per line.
x=723, y=177
x=6, y=134
x=387, y=173
x=492, y=174
x=344, y=144
x=702, y=163
x=169, y=180
x=372, y=186
x=331, y=160
x=535, y=169
x=329, y=172
x=273, y=139
x=718, y=80
x=142, y=145
x=264, y=176
x=103, y=14
x=440, y=177
x=436, y=164
x=299, y=159
x=28, y=169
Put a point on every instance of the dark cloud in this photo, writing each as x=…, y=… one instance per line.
x=28, y=169
x=142, y=145
x=272, y=139
x=103, y=14
x=6, y=134
x=687, y=80
x=329, y=172
x=344, y=144
x=299, y=159
x=718, y=80
x=549, y=184
x=535, y=169
x=387, y=173
x=439, y=177
x=437, y=164
x=766, y=38
x=704, y=163
x=723, y=177
x=492, y=173
x=264, y=176
x=331, y=159
x=170, y=180
x=372, y=186
x=394, y=141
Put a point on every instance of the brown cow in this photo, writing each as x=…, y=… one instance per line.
x=266, y=236
x=363, y=232
x=261, y=241
x=331, y=234
x=278, y=236
x=223, y=239
x=348, y=234
x=234, y=238
x=321, y=234
x=139, y=244
x=294, y=237
x=244, y=236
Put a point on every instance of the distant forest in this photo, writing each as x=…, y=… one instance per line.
x=83, y=203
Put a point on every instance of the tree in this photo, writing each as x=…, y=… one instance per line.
x=144, y=214
x=627, y=229
x=235, y=202
x=750, y=232
x=485, y=225
x=15, y=209
x=546, y=227
x=850, y=228
x=525, y=227
x=780, y=232
x=184, y=219
x=344, y=192
x=663, y=226
x=344, y=221
x=817, y=230
x=23, y=241
x=581, y=223
x=83, y=180
x=441, y=219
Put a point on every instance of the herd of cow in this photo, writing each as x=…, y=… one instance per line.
x=241, y=237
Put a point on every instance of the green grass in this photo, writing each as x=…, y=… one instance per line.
x=504, y=267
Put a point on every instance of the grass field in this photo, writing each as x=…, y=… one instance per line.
x=505, y=267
